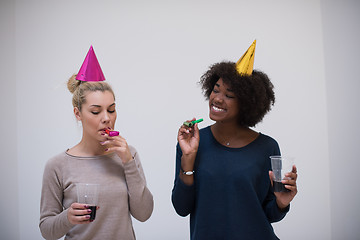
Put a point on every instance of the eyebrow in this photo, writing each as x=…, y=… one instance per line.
x=100, y=106
x=228, y=89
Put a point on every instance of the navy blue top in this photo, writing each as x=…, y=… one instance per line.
x=231, y=197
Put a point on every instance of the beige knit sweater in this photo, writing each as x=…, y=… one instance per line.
x=123, y=193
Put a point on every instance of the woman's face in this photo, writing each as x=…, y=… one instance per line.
x=98, y=114
x=223, y=103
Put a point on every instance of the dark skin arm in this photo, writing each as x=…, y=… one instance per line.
x=188, y=138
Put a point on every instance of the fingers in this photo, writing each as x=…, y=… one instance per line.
x=119, y=145
x=110, y=139
x=291, y=188
x=115, y=145
x=78, y=213
x=123, y=152
x=290, y=180
x=271, y=176
x=116, y=141
x=186, y=130
x=293, y=174
x=189, y=138
x=290, y=184
x=193, y=119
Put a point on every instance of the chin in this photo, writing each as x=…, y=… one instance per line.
x=214, y=118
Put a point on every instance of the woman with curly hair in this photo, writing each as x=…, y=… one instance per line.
x=222, y=171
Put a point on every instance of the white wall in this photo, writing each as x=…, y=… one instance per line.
x=9, y=200
x=153, y=53
x=341, y=43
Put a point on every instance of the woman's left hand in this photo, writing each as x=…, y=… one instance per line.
x=119, y=145
x=283, y=199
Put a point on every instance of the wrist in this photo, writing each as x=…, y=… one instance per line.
x=129, y=158
x=281, y=206
x=188, y=159
x=189, y=155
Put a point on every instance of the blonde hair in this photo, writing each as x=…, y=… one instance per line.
x=79, y=89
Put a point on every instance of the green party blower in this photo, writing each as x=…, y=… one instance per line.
x=192, y=123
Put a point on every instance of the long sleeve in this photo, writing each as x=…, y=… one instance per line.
x=183, y=196
x=140, y=198
x=53, y=218
x=231, y=195
x=123, y=193
x=272, y=212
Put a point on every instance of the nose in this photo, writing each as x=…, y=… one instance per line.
x=105, y=117
x=218, y=98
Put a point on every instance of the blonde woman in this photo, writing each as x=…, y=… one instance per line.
x=98, y=158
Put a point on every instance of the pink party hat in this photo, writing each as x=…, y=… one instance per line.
x=90, y=70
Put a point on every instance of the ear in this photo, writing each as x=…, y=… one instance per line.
x=77, y=114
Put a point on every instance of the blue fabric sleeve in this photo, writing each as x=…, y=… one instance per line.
x=183, y=196
x=271, y=209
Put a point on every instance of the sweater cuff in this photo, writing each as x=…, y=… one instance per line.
x=64, y=219
x=284, y=210
x=184, y=186
x=130, y=166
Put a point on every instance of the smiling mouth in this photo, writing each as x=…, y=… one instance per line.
x=218, y=109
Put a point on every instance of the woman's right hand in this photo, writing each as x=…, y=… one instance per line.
x=188, y=138
x=78, y=213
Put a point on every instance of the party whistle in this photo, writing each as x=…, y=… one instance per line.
x=112, y=133
x=192, y=123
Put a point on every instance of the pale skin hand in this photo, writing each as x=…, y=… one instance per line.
x=283, y=199
x=78, y=213
x=119, y=145
x=188, y=139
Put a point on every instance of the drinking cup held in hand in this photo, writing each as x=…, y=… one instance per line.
x=280, y=166
x=88, y=194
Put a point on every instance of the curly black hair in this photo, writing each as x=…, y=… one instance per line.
x=254, y=93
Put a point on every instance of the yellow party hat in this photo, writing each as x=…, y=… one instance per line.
x=245, y=64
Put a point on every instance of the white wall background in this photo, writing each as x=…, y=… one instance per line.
x=341, y=51
x=153, y=53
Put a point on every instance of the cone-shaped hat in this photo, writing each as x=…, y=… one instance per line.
x=90, y=70
x=245, y=64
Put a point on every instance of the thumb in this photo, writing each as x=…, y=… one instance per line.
x=271, y=176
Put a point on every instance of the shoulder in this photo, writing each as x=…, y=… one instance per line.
x=56, y=161
x=54, y=166
x=267, y=141
x=266, y=138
